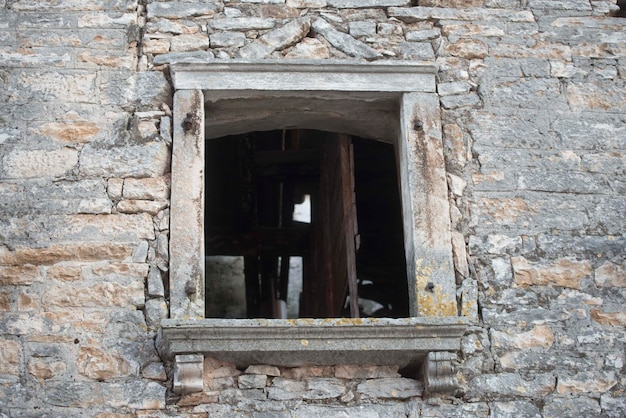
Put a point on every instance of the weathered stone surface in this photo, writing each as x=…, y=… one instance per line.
x=524, y=93
x=362, y=28
x=144, y=89
x=227, y=40
x=121, y=269
x=71, y=131
x=77, y=86
x=163, y=26
x=156, y=46
x=142, y=206
x=306, y=3
x=323, y=388
x=181, y=10
x=597, y=96
x=5, y=302
x=515, y=409
x=440, y=409
x=135, y=394
x=27, y=302
x=355, y=4
x=64, y=252
x=609, y=318
x=98, y=364
x=565, y=272
x=148, y=160
x=127, y=228
x=155, y=310
x=242, y=23
x=64, y=272
x=285, y=389
x=365, y=372
x=309, y=48
x=154, y=371
x=541, y=336
x=252, y=381
x=512, y=385
x=416, y=14
x=458, y=101
x=103, y=294
x=9, y=357
x=457, y=87
x=174, y=57
x=299, y=373
x=417, y=51
x=611, y=275
x=19, y=275
x=556, y=406
x=71, y=320
x=343, y=41
x=613, y=407
x=276, y=40
x=44, y=369
x=39, y=163
x=155, y=283
x=263, y=369
x=390, y=388
x=585, y=382
x=214, y=368
x=468, y=49
x=581, y=5
x=192, y=42
x=198, y=398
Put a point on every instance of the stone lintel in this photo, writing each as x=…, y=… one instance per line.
x=305, y=75
x=403, y=342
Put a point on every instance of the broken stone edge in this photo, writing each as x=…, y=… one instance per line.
x=406, y=342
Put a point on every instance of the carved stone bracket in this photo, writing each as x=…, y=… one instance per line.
x=439, y=373
x=188, y=373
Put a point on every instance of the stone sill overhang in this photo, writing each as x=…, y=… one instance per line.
x=427, y=343
x=402, y=342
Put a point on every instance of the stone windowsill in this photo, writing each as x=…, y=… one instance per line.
x=402, y=342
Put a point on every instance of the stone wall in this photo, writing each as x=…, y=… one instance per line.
x=533, y=98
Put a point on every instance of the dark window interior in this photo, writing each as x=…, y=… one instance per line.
x=352, y=249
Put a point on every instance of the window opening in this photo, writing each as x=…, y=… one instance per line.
x=347, y=256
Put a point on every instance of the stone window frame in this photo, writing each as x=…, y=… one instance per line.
x=432, y=333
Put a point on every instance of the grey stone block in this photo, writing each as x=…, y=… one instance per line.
x=147, y=160
x=227, y=40
x=464, y=100
x=276, y=40
x=390, y=388
x=578, y=406
x=181, y=10
x=155, y=283
x=355, y=4
x=242, y=23
x=343, y=41
x=422, y=51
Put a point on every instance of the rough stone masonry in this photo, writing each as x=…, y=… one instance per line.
x=533, y=100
